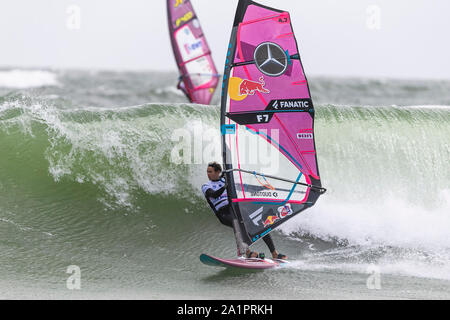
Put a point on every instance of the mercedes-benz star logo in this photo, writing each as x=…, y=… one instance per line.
x=271, y=59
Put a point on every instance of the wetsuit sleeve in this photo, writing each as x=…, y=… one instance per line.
x=181, y=86
x=204, y=188
x=210, y=193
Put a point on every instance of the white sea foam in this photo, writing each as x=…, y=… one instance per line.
x=442, y=107
x=401, y=266
x=398, y=237
x=392, y=222
x=21, y=79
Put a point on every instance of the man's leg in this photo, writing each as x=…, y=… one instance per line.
x=269, y=242
x=224, y=216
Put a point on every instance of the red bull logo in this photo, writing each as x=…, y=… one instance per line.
x=283, y=212
x=249, y=87
x=270, y=220
x=239, y=89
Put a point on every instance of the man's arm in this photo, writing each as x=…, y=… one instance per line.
x=210, y=193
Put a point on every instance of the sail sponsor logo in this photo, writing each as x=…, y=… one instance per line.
x=256, y=216
x=193, y=46
x=264, y=194
x=285, y=210
x=188, y=16
x=271, y=59
x=304, y=136
x=177, y=3
x=249, y=87
x=261, y=234
x=290, y=104
x=239, y=89
x=270, y=220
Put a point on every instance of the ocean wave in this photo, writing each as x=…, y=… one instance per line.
x=385, y=168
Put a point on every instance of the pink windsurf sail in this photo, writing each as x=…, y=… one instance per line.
x=267, y=123
x=198, y=74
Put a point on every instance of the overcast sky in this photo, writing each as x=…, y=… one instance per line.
x=367, y=38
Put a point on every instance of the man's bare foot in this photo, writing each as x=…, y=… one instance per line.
x=277, y=255
x=252, y=254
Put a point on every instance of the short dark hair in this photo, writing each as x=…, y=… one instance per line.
x=216, y=166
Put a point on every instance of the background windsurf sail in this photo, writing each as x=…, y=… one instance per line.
x=267, y=122
x=198, y=74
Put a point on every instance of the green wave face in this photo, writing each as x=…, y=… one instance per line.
x=378, y=151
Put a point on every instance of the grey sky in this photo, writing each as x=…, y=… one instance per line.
x=336, y=37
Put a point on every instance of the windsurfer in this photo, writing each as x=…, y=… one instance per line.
x=181, y=86
x=215, y=192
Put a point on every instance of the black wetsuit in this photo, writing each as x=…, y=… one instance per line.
x=181, y=86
